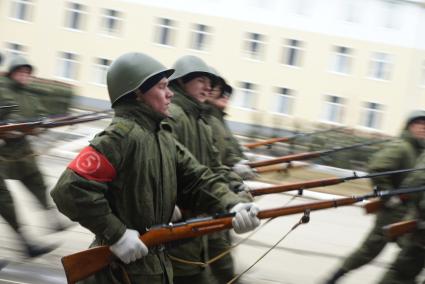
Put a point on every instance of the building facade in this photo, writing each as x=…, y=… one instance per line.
x=291, y=62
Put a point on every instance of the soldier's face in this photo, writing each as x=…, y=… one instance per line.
x=217, y=99
x=198, y=88
x=417, y=128
x=22, y=75
x=158, y=97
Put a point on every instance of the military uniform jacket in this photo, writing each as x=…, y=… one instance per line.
x=229, y=148
x=190, y=127
x=131, y=176
x=30, y=108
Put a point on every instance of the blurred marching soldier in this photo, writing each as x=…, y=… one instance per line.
x=411, y=259
x=17, y=160
x=401, y=154
x=231, y=153
x=134, y=173
x=191, y=85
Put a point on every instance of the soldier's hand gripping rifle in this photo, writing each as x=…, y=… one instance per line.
x=310, y=155
x=323, y=182
x=287, y=139
x=81, y=265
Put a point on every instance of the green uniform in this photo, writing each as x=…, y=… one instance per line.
x=411, y=259
x=401, y=154
x=146, y=172
x=190, y=127
x=17, y=160
x=228, y=146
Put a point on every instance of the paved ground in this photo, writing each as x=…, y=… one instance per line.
x=306, y=255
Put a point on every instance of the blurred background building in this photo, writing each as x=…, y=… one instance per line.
x=292, y=63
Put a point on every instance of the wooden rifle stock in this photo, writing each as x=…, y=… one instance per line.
x=281, y=167
x=296, y=186
x=374, y=206
x=395, y=230
x=267, y=142
x=284, y=159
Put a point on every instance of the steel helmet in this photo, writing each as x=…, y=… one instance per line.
x=17, y=62
x=129, y=71
x=227, y=89
x=414, y=115
x=190, y=64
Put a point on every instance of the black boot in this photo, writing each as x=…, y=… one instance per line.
x=336, y=276
x=33, y=250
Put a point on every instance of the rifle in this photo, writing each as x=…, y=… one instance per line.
x=81, y=265
x=300, y=186
x=67, y=117
x=287, y=139
x=393, y=231
x=280, y=167
x=310, y=155
x=28, y=126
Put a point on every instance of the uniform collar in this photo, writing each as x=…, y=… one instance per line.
x=186, y=102
x=141, y=114
x=417, y=143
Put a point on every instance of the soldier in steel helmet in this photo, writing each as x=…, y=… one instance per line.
x=191, y=85
x=17, y=160
x=134, y=172
x=401, y=154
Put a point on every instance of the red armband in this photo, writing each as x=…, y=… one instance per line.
x=92, y=165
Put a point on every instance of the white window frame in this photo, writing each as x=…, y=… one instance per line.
x=341, y=60
x=245, y=96
x=371, y=117
x=391, y=14
x=292, y=48
x=380, y=66
x=197, y=34
x=70, y=13
x=107, y=19
x=67, y=68
x=14, y=49
x=161, y=27
x=22, y=10
x=333, y=109
x=100, y=69
x=254, y=47
x=283, y=102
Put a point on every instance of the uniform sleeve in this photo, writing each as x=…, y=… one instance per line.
x=81, y=192
x=199, y=188
x=389, y=159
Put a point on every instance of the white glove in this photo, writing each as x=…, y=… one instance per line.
x=177, y=214
x=246, y=218
x=243, y=170
x=129, y=247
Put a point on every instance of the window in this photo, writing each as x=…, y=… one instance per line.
x=390, y=14
x=75, y=16
x=100, y=68
x=245, y=97
x=68, y=65
x=111, y=21
x=14, y=49
x=284, y=101
x=165, y=32
x=292, y=52
x=333, y=109
x=341, y=59
x=352, y=11
x=371, y=115
x=380, y=66
x=254, y=45
x=200, y=37
x=22, y=10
